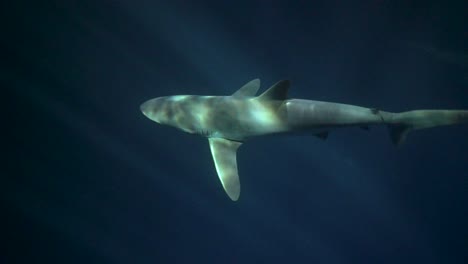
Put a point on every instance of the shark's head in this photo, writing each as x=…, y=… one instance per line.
x=155, y=110
x=173, y=111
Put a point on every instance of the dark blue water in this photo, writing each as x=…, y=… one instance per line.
x=89, y=179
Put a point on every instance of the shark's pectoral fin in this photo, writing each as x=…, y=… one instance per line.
x=224, y=156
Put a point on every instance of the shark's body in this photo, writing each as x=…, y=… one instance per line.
x=228, y=121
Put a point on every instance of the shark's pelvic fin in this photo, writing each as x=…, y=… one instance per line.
x=249, y=89
x=224, y=156
x=322, y=135
x=279, y=91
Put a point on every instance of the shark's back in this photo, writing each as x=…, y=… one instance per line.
x=237, y=118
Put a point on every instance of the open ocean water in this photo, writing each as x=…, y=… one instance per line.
x=89, y=179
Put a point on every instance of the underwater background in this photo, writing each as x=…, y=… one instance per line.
x=89, y=179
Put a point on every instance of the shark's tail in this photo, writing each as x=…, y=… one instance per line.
x=400, y=124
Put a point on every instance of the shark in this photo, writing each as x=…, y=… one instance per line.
x=229, y=121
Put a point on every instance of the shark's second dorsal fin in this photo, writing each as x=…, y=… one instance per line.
x=279, y=91
x=249, y=89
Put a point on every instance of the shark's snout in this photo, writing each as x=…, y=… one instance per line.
x=152, y=109
x=144, y=108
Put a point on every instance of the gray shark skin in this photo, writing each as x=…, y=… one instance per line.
x=228, y=121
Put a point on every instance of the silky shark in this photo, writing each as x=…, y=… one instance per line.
x=228, y=121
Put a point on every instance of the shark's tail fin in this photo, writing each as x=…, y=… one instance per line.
x=402, y=123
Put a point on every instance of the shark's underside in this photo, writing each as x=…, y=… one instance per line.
x=228, y=121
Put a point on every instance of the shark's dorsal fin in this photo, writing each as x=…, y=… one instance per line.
x=279, y=91
x=249, y=89
x=224, y=156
